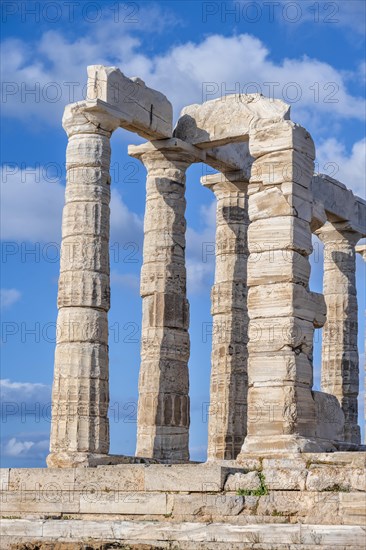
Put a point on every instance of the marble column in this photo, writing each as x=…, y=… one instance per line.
x=229, y=384
x=340, y=374
x=361, y=249
x=80, y=396
x=163, y=407
x=283, y=313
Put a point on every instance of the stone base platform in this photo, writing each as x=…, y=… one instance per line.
x=143, y=535
x=297, y=501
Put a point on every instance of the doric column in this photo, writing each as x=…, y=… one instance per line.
x=282, y=311
x=361, y=249
x=339, y=374
x=229, y=384
x=163, y=407
x=80, y=396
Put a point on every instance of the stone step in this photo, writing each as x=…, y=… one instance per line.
x=276, y=506
x=183, y=536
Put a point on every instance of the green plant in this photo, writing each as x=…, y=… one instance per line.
x=276, y=513
x=261, y=491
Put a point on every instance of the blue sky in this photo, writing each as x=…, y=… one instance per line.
x=310, y=54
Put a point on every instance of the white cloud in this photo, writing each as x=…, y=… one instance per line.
x=126, y=226
x=349, y=168
x=201, y=251
x=8, y=297
x=31, y=209
x=18, y=448
x=27, y=387
x=180, y=72
x=15, y=448
x=31, y=205
x=8, y=388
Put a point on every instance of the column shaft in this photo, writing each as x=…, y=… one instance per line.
x=163, y=407
x=228, y=391
x=80, y=395
x=340, y=374
x=282, y=311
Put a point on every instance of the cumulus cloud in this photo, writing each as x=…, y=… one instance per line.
x=8, y=297
x=201, y=251
x=23, y=392
x=55, y=66
x=31, y=209
x=31, y=205
x=25, y=449
x=347, y=167
x=15, y=448
x=126, y=225
x=27, y=402
x=7, y=385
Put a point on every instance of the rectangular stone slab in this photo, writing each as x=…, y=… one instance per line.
x=227, y=119
x=139, y=108
x=190, y=535
x=186, y=477
x=339, y=202
x=125, y=503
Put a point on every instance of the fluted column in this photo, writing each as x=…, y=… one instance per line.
x=361, y=249
x=163, y=407
x=340, y=374
x=80, y=395
x=228, y=391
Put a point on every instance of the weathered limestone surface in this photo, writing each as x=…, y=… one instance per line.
x=228, y=404
x=272, y=353
x=138, y=107
x=361, y=249
x=340, y=203
x=80, y=394
x=282, y=311
x=227, y=119
x=340, y=374
x=187, y=536
x=324, y=491
x=163, y=409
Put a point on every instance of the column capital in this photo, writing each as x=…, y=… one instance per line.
x=361, y=249
x=89, y=117
x=172, y=149
x=226, y=182
x=338, y=232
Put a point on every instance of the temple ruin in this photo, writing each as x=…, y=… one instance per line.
x=269, y=203
x=270, y=435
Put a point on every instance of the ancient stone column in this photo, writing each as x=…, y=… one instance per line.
x=228, y=392
x=163, y=407
x=80, y=396
x=361, y=249
x=282, y=311
x=339, y=374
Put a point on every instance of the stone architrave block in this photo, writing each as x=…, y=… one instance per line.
x=138, y=107
x=226, y=119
